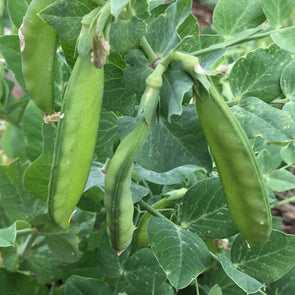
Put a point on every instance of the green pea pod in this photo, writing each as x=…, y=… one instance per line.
x=118, y=199
x=236, y=163
x=76, y=137
x=38, y=51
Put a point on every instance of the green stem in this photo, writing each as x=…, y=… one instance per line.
x=28, y=244
x=150, y=209
x=148, y=50
x=283, y=202
x=23, y=232
x=197, y=287
x=2, y=7
x=261, y=292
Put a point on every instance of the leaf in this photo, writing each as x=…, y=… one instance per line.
x=290, y=108
x=162, y=32
x=277, y=11
x=32, y=130
x=142, y=271
x=230, y=16
x=286, y=284
x=204, y=211
x=141, y=8
x=20, y=283
x=8, y=236
x=164, y=289
x=106, y=136
x=172, y=176
x=284, y=38
x=268, y=262
x=187, y=257
x=37, y=175
x=76, y=285
x=281, y=180
x=183, y=140
x=258, y=74
x=216, y=290
x=267, y=161
x=262, y=120
x=245, y=282
x=16, y=10
x=10, y=49
x=288, y=81
x=10, y=257
x=117, y=6
x=115, y=97
x=288, y=153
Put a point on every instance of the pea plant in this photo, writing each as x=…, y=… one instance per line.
x=143, y=155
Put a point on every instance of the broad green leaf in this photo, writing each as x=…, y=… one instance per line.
x=106, y=136
x=16, y=10
x=15, y=200
x=117, y=6
x=268, y=262
x=288, y=81
x=285, y=39
x=216, y=290
x=204, y=211
x=37, y=175
x=76, y=285
x=162, y=32
x=173, y=176
x=183, y=138
x=8, y=236
x=286, y=284
x=20, y=283
x=126, y=34
x=108, y=259
x=231, y=16
x=258, y=74
x=290, y=108
x=188, y=255
x=32, y=130
x=115, y=96
x=10, y=49
x=164, y=289
x=267, y=161
x=281, y=180
x=10, y=257
x=277, y=11
x=288, y=153
x=245, y=282
x=262, y=120
x=141, y=8
x=142, y=271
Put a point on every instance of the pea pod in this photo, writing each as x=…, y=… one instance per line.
x=38, y=51
x=241, y=178
x=76, y=137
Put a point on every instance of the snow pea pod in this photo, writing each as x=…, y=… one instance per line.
x=76, y=137
x=38, y=51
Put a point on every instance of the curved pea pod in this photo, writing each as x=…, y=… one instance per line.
x=118, y=199
x=76, y=137
x=38, y=51
x=237, y=165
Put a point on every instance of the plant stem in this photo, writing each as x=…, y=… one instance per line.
x=283, y=202
x=28, y=244
x=23, y=232
x=197, y=287
x=148, y=50
x=150, y=209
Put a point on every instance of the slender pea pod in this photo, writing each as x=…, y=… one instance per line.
x=38, y=51
x=237, y=165
x=76, y=137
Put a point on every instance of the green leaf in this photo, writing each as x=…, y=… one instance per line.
x=290, y=108
x=141, y=8
x=286, y=284
x=20, y=283
x=16, y=10
x=106, y=136
x=164, y=289
x=258, y=74
x=287, y=80
x=187, y=257
x=37, y=175
x=126, y=34
x=288, y=153
x=32, y=130
x=245, y=282
x=284, y=38
x=268, y=161
x=10, y=257
x=204, y=211
x=281, y=180
x=10, y=49
x=142, y=271
x=116, y=98
x=76, y=285
x=172, y=176
x=184, y=143
x=231, y=17
x=215, y=290
x=117, y=6
x=8, y=236
x=162, y=32
x=277, y=11
x=262, y=120
x=267, y=262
